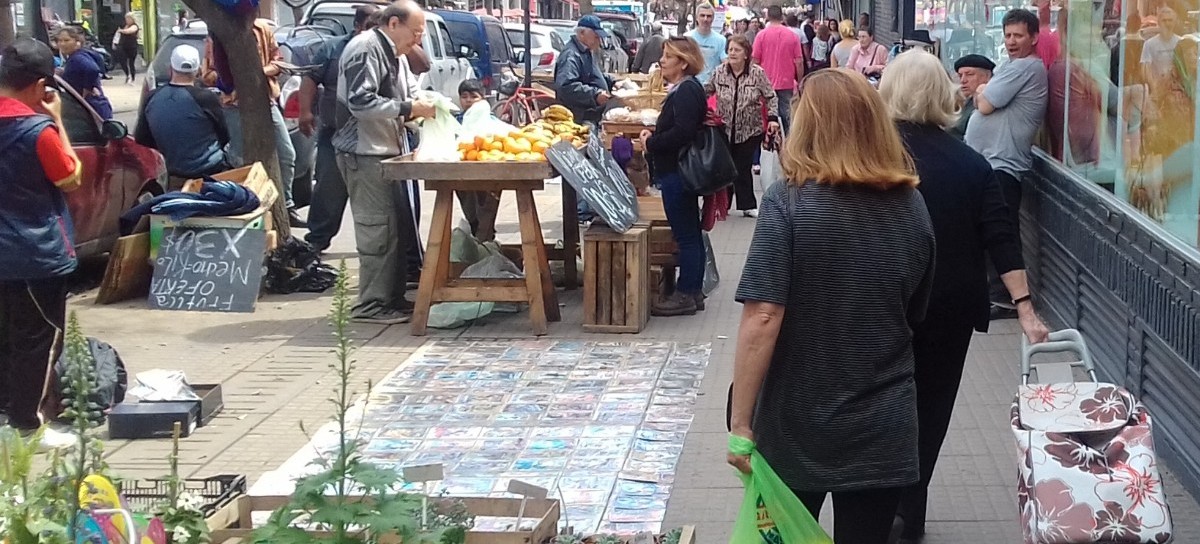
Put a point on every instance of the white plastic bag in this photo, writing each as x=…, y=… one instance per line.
x=769, y=169
x=438, y=134
x=478, y=121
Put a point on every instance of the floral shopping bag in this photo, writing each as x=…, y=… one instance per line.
x=1087, y=468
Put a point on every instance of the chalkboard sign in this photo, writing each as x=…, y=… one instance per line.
x=208, y=269
x=612, y=197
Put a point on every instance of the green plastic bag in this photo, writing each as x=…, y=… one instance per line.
x=770, y=512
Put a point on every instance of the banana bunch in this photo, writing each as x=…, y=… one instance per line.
x=557, y=114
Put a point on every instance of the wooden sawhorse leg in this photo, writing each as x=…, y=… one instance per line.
x=436, y=271
x=543, y=301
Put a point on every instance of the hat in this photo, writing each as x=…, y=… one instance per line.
x=974, y=61
x=591, y=22
x=185, y=59
x=29, y=58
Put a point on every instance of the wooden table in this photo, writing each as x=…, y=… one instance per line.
x=436, y=285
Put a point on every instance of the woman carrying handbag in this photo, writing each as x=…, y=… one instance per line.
x=682, y=117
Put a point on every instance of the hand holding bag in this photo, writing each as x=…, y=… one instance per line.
x=707, y=165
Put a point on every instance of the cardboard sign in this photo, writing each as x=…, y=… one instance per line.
x=208, y=269
x=614, y=200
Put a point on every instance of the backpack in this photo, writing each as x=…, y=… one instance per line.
x=111, y=378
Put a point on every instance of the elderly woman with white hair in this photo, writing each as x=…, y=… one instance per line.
x=970, y=220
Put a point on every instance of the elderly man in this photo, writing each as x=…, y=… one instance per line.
x=375, y=97
x=582, y=86
x=712, y=44
x=650, y=51
x=184, y=122
x=973, y=71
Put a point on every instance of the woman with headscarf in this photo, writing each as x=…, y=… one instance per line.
x=83, y=69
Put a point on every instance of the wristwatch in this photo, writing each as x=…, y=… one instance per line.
x=1027, y=298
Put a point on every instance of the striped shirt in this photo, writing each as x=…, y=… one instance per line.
x=853, y=266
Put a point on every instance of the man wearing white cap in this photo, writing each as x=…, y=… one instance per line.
x=185, y=122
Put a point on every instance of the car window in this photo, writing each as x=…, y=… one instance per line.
x=465, y=33
x=538, y=41
x=434, y=41
x=162, y=59
x=498, y=41
x=449, y=46
x=81, y=126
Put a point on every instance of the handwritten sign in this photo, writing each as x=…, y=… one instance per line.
x=610, y=195
x=208, y=269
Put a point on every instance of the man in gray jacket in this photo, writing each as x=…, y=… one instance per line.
x=376, y=96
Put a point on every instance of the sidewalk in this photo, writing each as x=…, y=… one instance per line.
x=273, y=367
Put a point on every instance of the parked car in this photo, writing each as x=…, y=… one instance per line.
x=615, y=60
x=117, y=173
x=627, y=26
x=545, y=44
x=491, y=52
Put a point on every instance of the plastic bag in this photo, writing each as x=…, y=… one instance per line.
x=770, y=512
x=479, y=121
x=712, y=278
x=451, y=315
x=769, y=169
x=438, y=135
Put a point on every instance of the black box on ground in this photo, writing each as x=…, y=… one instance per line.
x=152, y=419
x=210, y=404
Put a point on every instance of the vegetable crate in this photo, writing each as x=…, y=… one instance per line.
x=616, y=279
x=233, y=522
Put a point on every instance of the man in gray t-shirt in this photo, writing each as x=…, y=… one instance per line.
x=1009, y=111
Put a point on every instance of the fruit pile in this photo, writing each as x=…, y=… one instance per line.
x=529, y=143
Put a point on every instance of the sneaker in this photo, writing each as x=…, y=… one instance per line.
x=295, y=221
x=386, y=316
x=750, y=213
x=676, y=304
x=404, y=306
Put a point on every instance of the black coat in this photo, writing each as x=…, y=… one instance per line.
x=969, y=218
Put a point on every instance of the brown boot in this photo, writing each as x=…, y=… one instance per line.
x=676, y=304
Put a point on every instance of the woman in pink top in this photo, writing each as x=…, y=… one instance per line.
x=868, y=58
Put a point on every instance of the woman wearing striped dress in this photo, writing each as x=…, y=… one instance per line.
x=839, y=272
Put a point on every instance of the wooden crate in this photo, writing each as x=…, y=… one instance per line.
x=253, y=177
x=616, y=279
x=233, y=522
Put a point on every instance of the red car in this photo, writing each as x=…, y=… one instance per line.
x=117, y=173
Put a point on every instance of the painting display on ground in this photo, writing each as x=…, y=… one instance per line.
x=600, y=425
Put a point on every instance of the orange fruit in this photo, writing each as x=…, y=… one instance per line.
x=466, y=146
x=472, y=155
x=481, y=142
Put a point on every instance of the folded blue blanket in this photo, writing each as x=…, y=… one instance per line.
x=215, y=199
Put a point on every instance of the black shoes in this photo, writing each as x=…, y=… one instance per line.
x=295, y=221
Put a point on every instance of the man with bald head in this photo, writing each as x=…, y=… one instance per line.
x=376, y=95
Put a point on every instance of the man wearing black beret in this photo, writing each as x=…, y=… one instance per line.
x=973, y=71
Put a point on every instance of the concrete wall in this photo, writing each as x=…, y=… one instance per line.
x=1100, y=266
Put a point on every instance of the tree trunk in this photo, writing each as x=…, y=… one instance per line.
x=585, y=7
x=236, y=34
x=6, y=24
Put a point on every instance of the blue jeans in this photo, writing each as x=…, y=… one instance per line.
x=683, y=214
x=283, y=146
x=785, y=109
x=329, y=195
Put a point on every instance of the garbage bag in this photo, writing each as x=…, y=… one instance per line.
x=296, y=267
x=112, y=380
x=770, y=512
x=437, y=140
x=712, y=278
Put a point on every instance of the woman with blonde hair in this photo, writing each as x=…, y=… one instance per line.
x=838, y=273
x=680, y=120
x=839, y=57
x=970, y=220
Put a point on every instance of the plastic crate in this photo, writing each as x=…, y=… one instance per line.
x=217, y=491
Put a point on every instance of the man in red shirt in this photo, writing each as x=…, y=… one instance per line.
x=37, y=248
x=777, y=49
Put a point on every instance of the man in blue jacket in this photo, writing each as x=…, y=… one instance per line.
x=581, y=85
x=37, y=248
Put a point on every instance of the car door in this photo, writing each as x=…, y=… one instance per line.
x=432, y=80
x=96, y=206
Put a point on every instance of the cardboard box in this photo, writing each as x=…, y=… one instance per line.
x=253, y=177
x=152, y=419
x=210, y=404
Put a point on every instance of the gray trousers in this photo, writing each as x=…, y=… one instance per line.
x=383, y=226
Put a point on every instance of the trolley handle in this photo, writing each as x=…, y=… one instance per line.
x=1066, y=340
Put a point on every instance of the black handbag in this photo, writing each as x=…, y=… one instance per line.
x=706, y=165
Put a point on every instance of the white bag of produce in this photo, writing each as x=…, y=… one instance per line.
x=479, y=121
x=438, y=134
